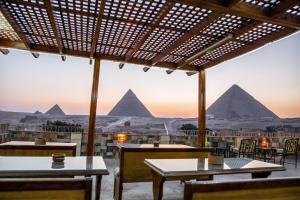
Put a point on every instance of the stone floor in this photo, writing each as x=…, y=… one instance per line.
x=173, y=190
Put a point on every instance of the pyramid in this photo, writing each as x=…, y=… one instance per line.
x=130, y=105
x=236, y=103
x=37, y=112
x=55, y=110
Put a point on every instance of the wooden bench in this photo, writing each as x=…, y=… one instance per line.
x=277, y=189
x=55, y=188
x=24, y=148
x=132, y=168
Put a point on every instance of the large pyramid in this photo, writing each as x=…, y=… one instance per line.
x=236, y=103
x=130, y=105
x=55, y=110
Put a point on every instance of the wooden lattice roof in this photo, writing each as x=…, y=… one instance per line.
x=176, y=34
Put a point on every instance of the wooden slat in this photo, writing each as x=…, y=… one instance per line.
x=45, y=49
x=12, y=44
x=164, y=11
x=243, y=9
x=97, y=31
x=93, y=109
x=249, y=48
x=124, y=51
x=16, y=28
x=201, y=109
x=196, y=30
x=91, y=14
x=283, y=7
x=209, y=47
x=54, y=27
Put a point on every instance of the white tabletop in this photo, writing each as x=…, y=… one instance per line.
x=201, y=165
x=35, y=166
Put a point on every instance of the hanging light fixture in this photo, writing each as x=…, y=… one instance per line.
x=169, y=71
x=190, y=73
x=35, y=54
x=4, y=51
x=121, y=65
x=206, y=50
x=146, y=69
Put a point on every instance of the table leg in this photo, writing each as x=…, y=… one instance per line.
x=265, y=155
x=158, y=182
x=98, y=187
x=261, y=174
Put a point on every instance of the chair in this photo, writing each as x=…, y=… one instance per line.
x=45, y=188
x=247, y=148
x=290, y=149
x=259, y=189
x=267, y=155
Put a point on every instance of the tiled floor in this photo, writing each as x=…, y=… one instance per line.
x=173, y=190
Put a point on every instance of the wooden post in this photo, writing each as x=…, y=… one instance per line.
x=201, y=109
x=93, y=108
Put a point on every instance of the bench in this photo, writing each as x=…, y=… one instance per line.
x=55, y=188
x=25, y=148
x=279, y=188
x=132, y=168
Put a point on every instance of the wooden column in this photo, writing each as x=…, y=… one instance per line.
x=201, y=109
x=93, y=108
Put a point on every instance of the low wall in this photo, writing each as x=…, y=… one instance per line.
x=105, y=144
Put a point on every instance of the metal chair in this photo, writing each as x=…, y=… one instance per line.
x=247, y=148
x=290, y=149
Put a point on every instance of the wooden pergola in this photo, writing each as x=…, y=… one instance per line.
x=189, y=35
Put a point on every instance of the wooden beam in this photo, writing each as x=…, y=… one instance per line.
x=201, y=109
x=194, y=31
x=12, y=44
x=4, y=51
x=15, y=27
x=211, y=46
x=155, y=23
x=282, y=7
x=54, y=27
x=92, y=14
x=93, y=109
x=257, y=44
x=246, y=10
x=98, y=27
x=203, y=51
x=46, y=49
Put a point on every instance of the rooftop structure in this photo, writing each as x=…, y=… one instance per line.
x=186, y=34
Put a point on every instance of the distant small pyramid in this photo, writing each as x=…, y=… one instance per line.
x=236, y=103
x=55, y=110
x=37, y=112
x=130, y=105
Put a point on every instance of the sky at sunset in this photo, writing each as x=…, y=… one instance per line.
x=271, y=74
